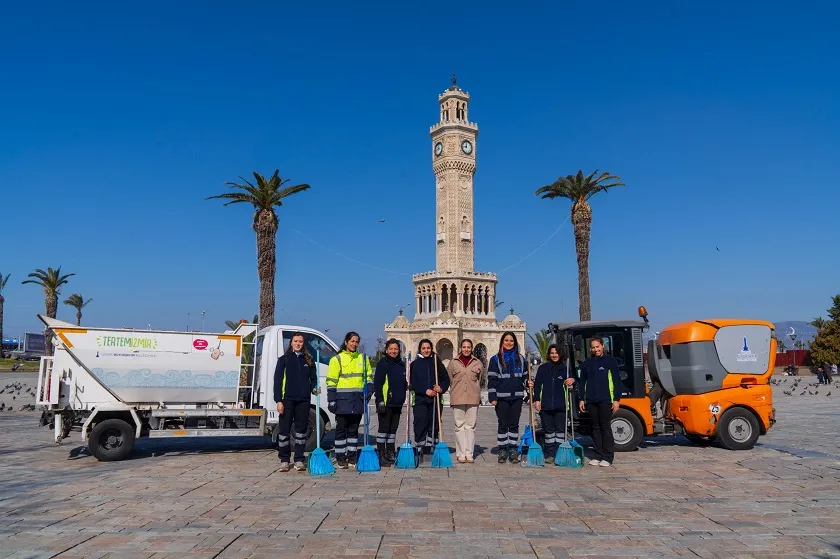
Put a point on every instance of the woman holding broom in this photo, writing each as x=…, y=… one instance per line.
x=424, y=387
x=346, y=397
x=295, y=379
x=550, y=385
x=389, y=385
x=507, y=375
x=464, y=397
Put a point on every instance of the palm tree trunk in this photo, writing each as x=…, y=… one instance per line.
x=582, y=222
x=266, y=229
x=78, y=317
x=51, y=304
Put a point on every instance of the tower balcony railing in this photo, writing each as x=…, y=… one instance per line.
x=469, y=274
x=462, y=123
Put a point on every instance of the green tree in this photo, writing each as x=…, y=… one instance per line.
x=265, y=195
x=78, y=302
x=780, y=345
x=580, y=189
x=51, y=282
x=3, y=281
x=826, y=345
x=541, y=341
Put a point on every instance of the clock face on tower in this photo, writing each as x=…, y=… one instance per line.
x=466, y=147
x=438, y=148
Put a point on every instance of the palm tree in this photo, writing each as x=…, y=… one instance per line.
x=264, y=196
x=3, y=281
x=234, y=324
x=818, y=323
x=51, y=282
x=76, y=300
x=579, y=189
x=541, y=340
x=780, y=346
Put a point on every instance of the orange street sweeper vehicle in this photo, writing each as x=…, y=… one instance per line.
x=709, y=379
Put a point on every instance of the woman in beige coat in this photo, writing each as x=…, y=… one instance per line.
x=464, y=397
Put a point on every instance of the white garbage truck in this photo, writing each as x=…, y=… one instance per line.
x=117, y=385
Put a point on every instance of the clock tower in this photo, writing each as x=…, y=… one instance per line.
x=455, y=301
x=453, y=162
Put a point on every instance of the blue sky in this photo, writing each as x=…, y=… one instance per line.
x=722, y=118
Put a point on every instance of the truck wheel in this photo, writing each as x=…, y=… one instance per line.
x=627, y=430
x=737, y=429
x=311, y=439
x=111, y=440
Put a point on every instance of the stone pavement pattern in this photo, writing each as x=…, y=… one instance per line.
x=226, y=499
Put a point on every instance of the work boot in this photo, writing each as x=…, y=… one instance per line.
x=380, y=453
x=341, y=462
x=513, y=456
x=503, y=454
x=390, y=456
x=300, y=466
x=285, y=466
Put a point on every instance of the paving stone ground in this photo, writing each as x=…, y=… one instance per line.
x=227, y=499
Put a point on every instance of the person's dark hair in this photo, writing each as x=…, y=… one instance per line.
x=347, y=339
x=306, y=356
x=501, y=354
x=425, y=341
x=561, y=352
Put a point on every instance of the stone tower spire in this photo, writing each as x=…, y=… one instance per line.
x=453, y=162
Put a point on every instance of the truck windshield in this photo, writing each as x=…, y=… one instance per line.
x=313, y=344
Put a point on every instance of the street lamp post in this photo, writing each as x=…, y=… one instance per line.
x=202, y=320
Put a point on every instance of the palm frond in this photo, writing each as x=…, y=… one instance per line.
x=4, y=281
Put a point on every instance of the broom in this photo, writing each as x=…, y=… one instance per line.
x=368, y=460
x=406, y=459
x=441, y=458
x=567, y=454
x=535, y=451
x=319, y=463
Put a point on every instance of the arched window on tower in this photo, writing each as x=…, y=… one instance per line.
x=444, y=297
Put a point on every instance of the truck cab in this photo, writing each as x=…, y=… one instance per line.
x=623, y=341
x=271, y=342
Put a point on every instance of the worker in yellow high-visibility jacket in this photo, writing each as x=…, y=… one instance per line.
x=347, y=375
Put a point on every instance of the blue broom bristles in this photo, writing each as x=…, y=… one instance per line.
x=406, y=458
x=535, y=455
x=368, y=460
x=566, y=458
x=320, y=463
x=441, y=458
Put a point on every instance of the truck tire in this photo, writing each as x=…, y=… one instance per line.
x=111, y=440
x=311, y=439
x=627, y=430
x=737, y=429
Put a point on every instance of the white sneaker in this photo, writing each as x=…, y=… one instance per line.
x=594, y=462
x=604, y=463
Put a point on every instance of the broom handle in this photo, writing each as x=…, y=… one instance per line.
x=531, y=402
x=365, y=403
x=407, y=396
x=318, y=398
x=437, y=406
